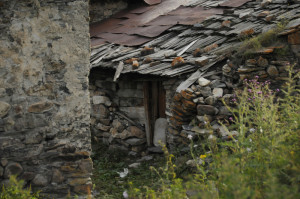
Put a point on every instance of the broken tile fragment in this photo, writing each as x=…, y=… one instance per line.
x=202, y=61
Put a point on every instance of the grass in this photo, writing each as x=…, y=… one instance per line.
x=107, y=181
x=269, y=38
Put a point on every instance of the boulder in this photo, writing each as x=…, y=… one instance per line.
x=12, y=168
x=160, y=128
x=4, y=109
x=206, y=110
x=203, y=82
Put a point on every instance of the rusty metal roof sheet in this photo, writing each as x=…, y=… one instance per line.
x=167, y=28
x=152, y=2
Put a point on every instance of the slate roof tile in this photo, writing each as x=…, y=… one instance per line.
x=183, y=27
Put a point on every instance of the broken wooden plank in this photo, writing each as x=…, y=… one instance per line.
x=118, y=71
x=187, y=83
x=147, y=113
x=186, y=48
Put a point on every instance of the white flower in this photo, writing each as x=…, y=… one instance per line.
x=250, y=140
x=195, y=145
x=125, y=194
x=252, y=130
x=248, y=149
x=123, y=174
x=260, y=129
x=190, y=137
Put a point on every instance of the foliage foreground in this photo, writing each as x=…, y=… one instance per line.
x=262, y=162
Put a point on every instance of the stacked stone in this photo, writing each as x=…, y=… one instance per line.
x=198, y=105
x=102, y=10
x=108, y=124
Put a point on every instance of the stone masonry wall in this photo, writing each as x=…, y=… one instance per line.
x=103, y=9
x=44, y=99
x=202, y=103
x=117, y=113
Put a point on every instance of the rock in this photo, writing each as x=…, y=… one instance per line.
x=135, y=141
x=139, y=148
x=2, y=92
x=13, y=168
x=136, y=132
x=147, y=51
x=113, y=132
x=206, y=118
x=135, y=64
x=272, y=71
x=1, y=171
x=4, y=162
x=160, y=128
x=205, y=91
x=200, y=131
x=217, y=92
x=294, y=38
x=78, y=181
x=118, y=125
x=212, y=138
x=203, y=82
x=27, y=176
x=100, y=111
x=217, y=84
x=206, y=110
x=264, y=3
x=187, y=95
x=227, y=98
x=101, y=100
x=105, y=121
x=250, y=62
x=194, y=163
x=226, y=23
x=202, y=61
x=155, y=149
x=4, y=109
x=145, y=158
x=134, y=165
x=226, y=68
x=33, y=138
x=40, y=107
x=102, y=127
x=178, y=61
x=211, y=100
x=106, y=85
x=263, y=14
x=223, y=110
x=57, y=177
x=262, y=62
x=134, y=113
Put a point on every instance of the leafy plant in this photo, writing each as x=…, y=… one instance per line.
x=262, y=162
x=15, y=190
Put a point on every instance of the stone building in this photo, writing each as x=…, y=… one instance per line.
x=44, y=100
x=179, y=61
x=165, y=59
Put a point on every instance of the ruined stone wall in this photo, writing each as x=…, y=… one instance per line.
x=202, y=103
x=44, y=100
x=103, y=9
x=117, y=117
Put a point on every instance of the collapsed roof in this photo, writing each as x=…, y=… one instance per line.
x=178, y=28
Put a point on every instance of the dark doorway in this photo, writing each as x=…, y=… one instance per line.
x=155, y=106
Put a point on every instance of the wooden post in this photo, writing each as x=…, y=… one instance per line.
x=147, y=114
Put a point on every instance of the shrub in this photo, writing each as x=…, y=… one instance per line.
x=15, y=190
x=262, y=162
